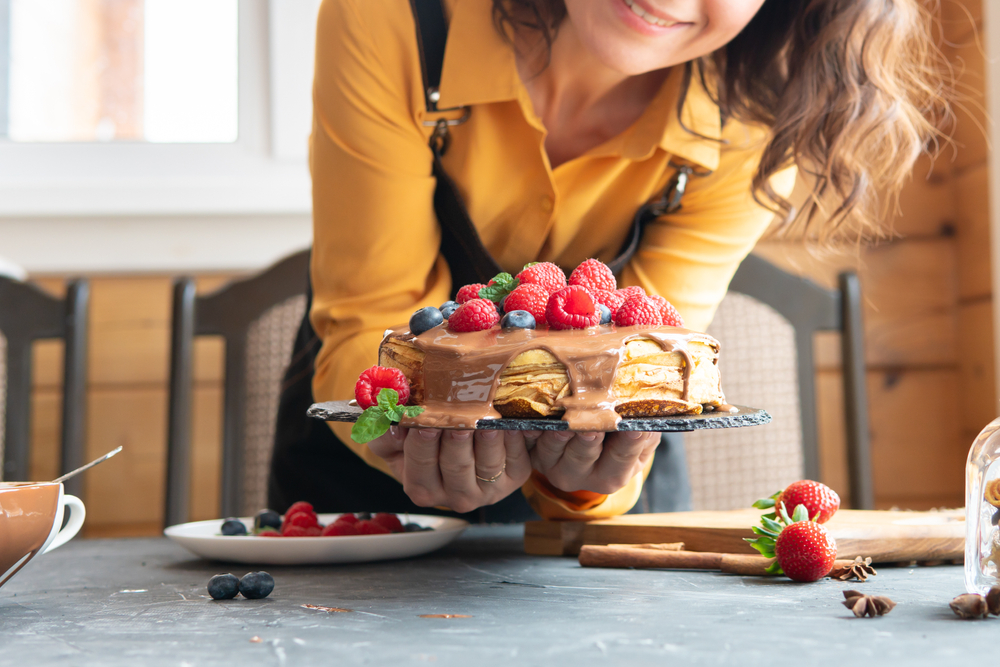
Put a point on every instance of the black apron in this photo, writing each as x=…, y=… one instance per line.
x=309, y=462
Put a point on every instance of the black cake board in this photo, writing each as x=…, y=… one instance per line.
x=344, y=411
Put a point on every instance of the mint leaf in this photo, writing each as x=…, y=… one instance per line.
x=372, y=423
x=387, y=398
x=503, y=284
x=411, y=410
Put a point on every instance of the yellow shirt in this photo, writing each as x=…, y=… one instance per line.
x=376, y=238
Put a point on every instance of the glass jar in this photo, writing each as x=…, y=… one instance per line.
x=982, y=511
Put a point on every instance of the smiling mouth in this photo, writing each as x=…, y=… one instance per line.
x=647, y=17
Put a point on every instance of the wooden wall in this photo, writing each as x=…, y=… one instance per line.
x=928, y=332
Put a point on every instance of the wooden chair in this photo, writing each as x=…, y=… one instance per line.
x=766, y=326
x=28, y=314
x=257, y=317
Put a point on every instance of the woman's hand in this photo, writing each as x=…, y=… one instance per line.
x=588, y=461
x=450, y=468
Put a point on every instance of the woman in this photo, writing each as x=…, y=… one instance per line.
x=580, y=113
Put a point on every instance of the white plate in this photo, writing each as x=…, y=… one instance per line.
x=204, y=539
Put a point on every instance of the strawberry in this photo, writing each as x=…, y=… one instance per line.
x=594, y=275
x=546, y=274
x=637, y=310
x=474, y=315
x=572, y=307
x=805, y=551
x=529, y=297
x=821, y=502
x=376, y=378
x=668, y=314
x=468, y=292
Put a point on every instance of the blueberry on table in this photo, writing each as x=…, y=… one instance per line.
x=266, y=519
x=425, y=319
x=223, y=586
x=256, y=585
x=605, y=313
x=518, y=319
x=233, y=527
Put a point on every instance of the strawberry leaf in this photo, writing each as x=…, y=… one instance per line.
x=771, y=525
x=529, y=265
x=783, y=513
x=800, y=514
x=372, y=423
x=764, y=503
x=774, y=568
x=766, y=550
x=757, y=530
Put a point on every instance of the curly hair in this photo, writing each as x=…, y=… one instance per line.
x=852, y=90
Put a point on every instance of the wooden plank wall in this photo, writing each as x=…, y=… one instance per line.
x=928, y=310
x=928, y=332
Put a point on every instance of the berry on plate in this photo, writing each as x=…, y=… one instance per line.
x=256, y=585
x=821, y=502
x=668, y=314
x=266, y=519
x=594, y=275
x=269, y=532
x=224, y=586
x=295, y=531
x=374, y=380
x=805, y=551
x=425, y=319
x=338, y=528
x=371, y=528
x=388, y=521
x=301, y=519
x=530, y=297
x=605, y=313
x=637, y=310
x=233, y=527
x=546, y=274
x=572, y=307
x=346, y=518
x=474, y=315
x=468, y=293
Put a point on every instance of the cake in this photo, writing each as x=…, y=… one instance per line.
x=580, y=350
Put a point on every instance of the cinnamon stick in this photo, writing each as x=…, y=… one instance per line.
x=660, y=546
x=619, y=556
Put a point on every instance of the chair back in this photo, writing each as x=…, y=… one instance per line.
x=28, y=314
x=766, y=326
x=257, y=318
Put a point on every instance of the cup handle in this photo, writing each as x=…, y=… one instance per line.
x=77, y=513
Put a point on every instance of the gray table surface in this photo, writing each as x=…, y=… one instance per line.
x=143, y=602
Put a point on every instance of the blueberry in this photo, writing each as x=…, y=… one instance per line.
x=256, y=585
x=363, y=516
x=448, y=309
x=518, y=319
x=425, y=319
x=233, y=527
x=502, y=303
x=448, y=304
x=605, y=313
x=412, y=528
x=223, y=586
x=266, y=519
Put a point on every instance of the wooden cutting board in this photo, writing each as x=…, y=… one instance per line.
x=885, y=536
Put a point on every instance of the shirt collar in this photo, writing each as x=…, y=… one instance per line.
x=479, y=68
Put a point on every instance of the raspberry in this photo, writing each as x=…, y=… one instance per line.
x=668, y=314
x=637, y=310
x=371, y=528
x=347, y=518
x=475, y=315
x=529, y=297
x=295, y=531
x=300, y=505
x=301, y=519
x=468, y=292
x=631, y=291
x=269, y=532
x=572, y=307
x=314, y=531
x=594, y=275
x=388, y=521
x=613, y=300
x=546, y=274
x=374, y=380
x=339, y=528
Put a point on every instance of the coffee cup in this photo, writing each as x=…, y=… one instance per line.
x=31, y=522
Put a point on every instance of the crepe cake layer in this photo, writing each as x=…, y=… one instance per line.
x=589, y=377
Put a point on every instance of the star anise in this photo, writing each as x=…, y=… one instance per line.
x=867, y=605
x=859, y=569
x=970, y=605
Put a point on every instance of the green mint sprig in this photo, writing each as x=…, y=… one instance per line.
x=377, y=419
x=503, y=284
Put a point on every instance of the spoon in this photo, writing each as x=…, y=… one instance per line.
x=74, y=473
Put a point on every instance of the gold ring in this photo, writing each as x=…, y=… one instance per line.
x=494, y=478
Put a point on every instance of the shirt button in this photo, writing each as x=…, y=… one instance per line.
x=547, y=204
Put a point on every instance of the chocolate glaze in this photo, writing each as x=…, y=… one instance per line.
x=27, y=511
x=459, y=394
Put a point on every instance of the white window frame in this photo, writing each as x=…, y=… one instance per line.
x=263, y=173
